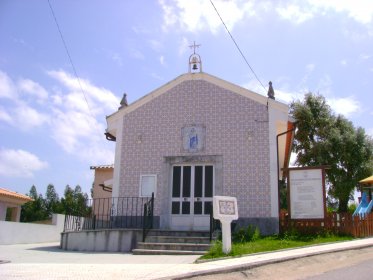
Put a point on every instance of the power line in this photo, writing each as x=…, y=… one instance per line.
x=238, y=48
x=71, y=61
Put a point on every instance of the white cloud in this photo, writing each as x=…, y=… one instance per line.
x=117, y=59
x=343, y=62
x=97, y=98
x=156, y=45
x=359, y=10
x=365, y=56
x=26, y=117
x=20, y=114
x=161, y=60
x=197, y=15
x=137, y=54
x=4, y=116
x=66, y=118
x=310, y=67
x=294, y=13
x=19, y=163
x=32, y=88
x=76, y=128
x=183, y=46
x=7, y=87
x=345, y=106
x=281, y=93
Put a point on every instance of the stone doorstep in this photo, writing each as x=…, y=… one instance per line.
x=166, y=252
x=169, y=242
x=173, y=246
x=177, y=239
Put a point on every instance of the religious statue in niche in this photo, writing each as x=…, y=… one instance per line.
x=193, y=138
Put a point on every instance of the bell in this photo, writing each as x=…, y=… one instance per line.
x=195, y=66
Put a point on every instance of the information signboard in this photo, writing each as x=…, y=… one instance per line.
x=307, y=193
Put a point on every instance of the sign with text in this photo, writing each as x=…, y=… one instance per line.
x=307, y=191
x=225, y=207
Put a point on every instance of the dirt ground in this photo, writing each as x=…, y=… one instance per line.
x=299, y=268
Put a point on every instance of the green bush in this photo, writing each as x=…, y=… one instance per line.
x=247, y=234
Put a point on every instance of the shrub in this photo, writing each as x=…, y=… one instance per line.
x=247, y=234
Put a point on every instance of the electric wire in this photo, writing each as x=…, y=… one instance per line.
x=238, y=48
x=71, y=61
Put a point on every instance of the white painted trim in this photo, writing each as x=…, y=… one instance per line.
x=197, y=76
x=118, y=156
x=278, y=119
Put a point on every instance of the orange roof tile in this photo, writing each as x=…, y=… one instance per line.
x=108, y=166
x=11, y=194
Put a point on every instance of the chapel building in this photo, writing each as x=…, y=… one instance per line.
x=199, y=136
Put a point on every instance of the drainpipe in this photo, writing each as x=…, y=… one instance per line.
x=278, y=162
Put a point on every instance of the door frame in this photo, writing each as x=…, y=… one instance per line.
x=191, y=221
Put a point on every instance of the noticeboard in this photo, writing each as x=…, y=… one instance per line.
x=307, y=193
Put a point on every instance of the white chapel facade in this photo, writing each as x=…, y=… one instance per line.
x=198, y=136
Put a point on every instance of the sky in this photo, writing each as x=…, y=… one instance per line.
x=53, y=113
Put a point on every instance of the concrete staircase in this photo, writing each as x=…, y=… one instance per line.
x=166, y=242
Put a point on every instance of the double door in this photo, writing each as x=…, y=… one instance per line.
x=191, y=199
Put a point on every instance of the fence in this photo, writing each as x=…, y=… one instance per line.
x=106, y=213
x=343, y=223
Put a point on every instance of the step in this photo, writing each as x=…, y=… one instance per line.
x=166, y=252
x=155, y=232
x=173, y=246
x=178, y=239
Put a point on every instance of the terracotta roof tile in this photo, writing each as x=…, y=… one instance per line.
x=11, y=194
x=108, y=166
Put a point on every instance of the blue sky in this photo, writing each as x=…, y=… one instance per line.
x=50, y=135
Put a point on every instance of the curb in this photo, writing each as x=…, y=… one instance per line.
x=250, y=265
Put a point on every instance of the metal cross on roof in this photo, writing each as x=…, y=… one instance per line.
x=194, y=46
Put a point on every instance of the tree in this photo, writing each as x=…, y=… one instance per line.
x=322, y=138
x=75, y=201
x=52, y=201
x=34, y=210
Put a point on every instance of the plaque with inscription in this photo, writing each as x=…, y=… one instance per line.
x=227, y=207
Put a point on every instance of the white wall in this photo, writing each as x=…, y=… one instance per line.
x=3, y=208
x=17, y=233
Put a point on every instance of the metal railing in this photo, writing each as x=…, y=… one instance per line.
x=214, y=224
x=148, y=217
x=107, y=213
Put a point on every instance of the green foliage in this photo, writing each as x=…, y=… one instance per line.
x=247, y=234
x=52, y=201
x=292, y=239
x=74, y=202
x=283, y=195
x=322, y=138
x=34, y=210
x=351, y=208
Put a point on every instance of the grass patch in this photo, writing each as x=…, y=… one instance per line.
x=272, y=243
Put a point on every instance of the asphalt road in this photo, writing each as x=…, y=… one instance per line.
x=352, y=264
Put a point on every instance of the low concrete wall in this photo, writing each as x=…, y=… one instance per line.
x=18, y=233
x=110, y=240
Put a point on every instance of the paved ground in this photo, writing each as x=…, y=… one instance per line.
x=351, y=264
x=46, y=261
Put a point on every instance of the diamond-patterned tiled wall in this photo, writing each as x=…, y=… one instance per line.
x=236, y=128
